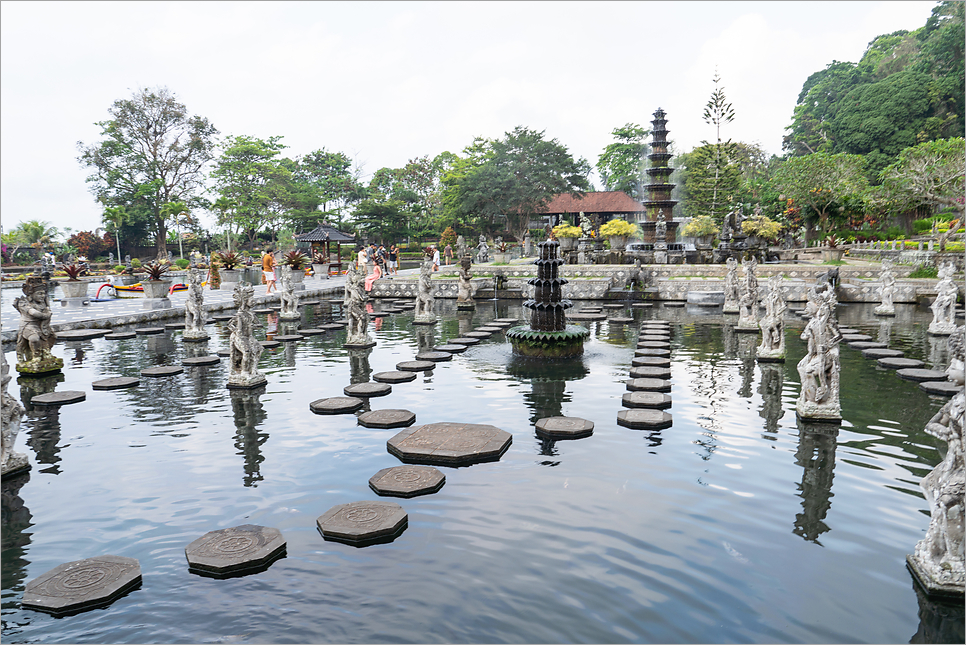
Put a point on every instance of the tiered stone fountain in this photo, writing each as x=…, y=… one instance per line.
x=548, y=335
x=659, y=205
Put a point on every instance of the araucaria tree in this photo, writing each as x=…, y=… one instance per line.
x=152, y=153
x=717, y=112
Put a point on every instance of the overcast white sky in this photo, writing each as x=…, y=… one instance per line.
x=388, y=82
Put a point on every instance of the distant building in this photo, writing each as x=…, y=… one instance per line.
x=606, y=204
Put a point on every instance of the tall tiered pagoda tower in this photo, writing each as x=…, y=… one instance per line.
x=659, y=190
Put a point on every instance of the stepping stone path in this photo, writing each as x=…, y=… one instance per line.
x=330, y=327
x=641, y=305
x=474, y=334
x=564, y=428
x=848, y=330
x=289, y=338
x=650, y=372
x=652, y=352
x=363, y=523
x=116, y=383
x=311, y=332
x=200, y=361
x=148, y=331
x=82, y=585
x=494, y=324
x=913, y=374
x=586, y=317
x=674, y=303
x=648, y=385
x=509, y=321
x=644, y=419
x=942, y=388
x=454, y=348
x=450, y=444
x=387, y=418
x=336, y=405
x=436, y=357
x=394, y=377
x=367, y=390
x=899, y=363
x=613, y=305
x=653, y=400
x=590, y=310
x=415, y=366
x=654, y=338
x=59, y=398
x=618, y=320
x=235, y=551
x=340, y=323
x=464, y=341
x=407, y=481
x=269, y=344
x=651, y=361
x=653, y=344
x=882, y=353
x=849, y=338
x=174, y=326
x=224, y=353
x=164, y=370
x=860, y=345
x=492, y=330
x=120, y=335
x=83, y=334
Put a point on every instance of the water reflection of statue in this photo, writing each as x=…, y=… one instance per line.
x=354, y=304
x=731, y=287
x=464, y=294
x=939, y=561
x=424, y=295
x=820, y=368
x=194, y=308
x=245, y=350
x=288, y=299
x=944, y=307
x=770, y=389
x=35, y=336
x=249, y=414
x=483, y=251
x=772, y=324
x=887, y=291
x=816, y=456
x=10, y=414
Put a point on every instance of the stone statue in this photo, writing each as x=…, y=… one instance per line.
x=10, y=413
x=660, y=228
x=288, y=298
x=938, y=560
x=772, y=325
x=194, y=308
x=35, y=336
x=483, y=251
x=354, y=305
x=887, y=291
x=956, y=372
x=498, y=243
x=424, y=295
x=726, y=230
x=127, y=261
x=820, y=368
x=527, y=244
x=110, y=259
x=586, y=226
x=748, y=297
x=944, y=307
x=464, y=296
x=245, y=350
x=731, y=287
x=460, y=246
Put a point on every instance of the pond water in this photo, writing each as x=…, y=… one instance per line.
x=734, y=525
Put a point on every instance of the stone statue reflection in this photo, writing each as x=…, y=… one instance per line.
x=249, y=414
x=15, y=523
x=770, y=389
x=359, y=368
x=816, y=455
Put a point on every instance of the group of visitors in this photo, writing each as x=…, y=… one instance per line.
x=382, y=260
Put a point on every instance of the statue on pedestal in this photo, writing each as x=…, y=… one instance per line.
x=464, y=294
x=820, y=368
x=731, y=287
x=772, y=325
x=748, y=297
x=424, y=295
x=10, y=413
x=354, y=305
x=194, y=308
x=586, y=226
x=460, y=246
x=288, y=299
x=483, y=251
x=887, y=291
x=944, y=306
x=35, y=336
x=660, y=228
x=245, y=349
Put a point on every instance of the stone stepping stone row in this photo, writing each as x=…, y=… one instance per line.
x=647, y=396
x=910, y=369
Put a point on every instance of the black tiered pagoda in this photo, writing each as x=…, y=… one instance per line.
x=659, y=190
x=549, y=335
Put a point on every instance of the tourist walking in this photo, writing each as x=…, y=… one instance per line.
x=362, y=260
x=268, y=272
x=448, y=254
x=435, y=258
x=392, y=259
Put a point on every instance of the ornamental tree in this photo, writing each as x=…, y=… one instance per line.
x=821, y=182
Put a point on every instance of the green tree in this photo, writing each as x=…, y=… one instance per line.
x=708, y=173
x=331, y=176
x=928, y=173
x=383, y=221
x=152, y=152
x=621, y=165
x=717, y=112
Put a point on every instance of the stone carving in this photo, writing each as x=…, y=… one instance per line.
x=483, y=251
x=194, y=308
x=527, y=244
x=944, y=307
x=244, y=349
x=110, y=259
x=460, y=246
x=748, y=297
x=354, y=305
x=956, y=372
x=586, y=226
x=288, y=299
x=464, y=297
x=660, y=228
x=887, y=291
x=127, y=261
x=731, y=287
x=10, y=413
x=424, y=294
x=938, y=560
x=772, y=325
x=35, y=336
x=820, y=368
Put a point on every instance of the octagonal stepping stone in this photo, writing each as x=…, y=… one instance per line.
x=651, y=361
x=491, y=329
x=642, y=305
x=614, y=305
x=367, y=390
x=407, y=481
x=867, y=344
x=162, y=371
x=387, y=312
x=235, y=551
x=477, y=334
x=464, y=341
x=452, y=348
x=82, y=334
x=330, y=326
x=653, y=344
x=654, y=338
x=200, y=361
x=942, y=388
x=619, y=320
x=363, y=523
x=261, y=311
x=269, y=344
x=416, y=366
x=848, y=330
x=564, y=428
x=289, y=338
x=493, y=324
x=387, y=418
x=436, y=357
x=849, y=338
x=120, y=335
x=644, y=419
x=509, y=321
x=174, y=325
x=913, y=374
x=899, y=363
x=59, y=398
x=341, y=323
x=651, y=400
x=590, y=310
x=148, y=331
x=336, y=405
x=648, y=385
x=275, y=308
x=652, y=324
x=882, y=353
x=116, y=383
x=450, y=444
x=674, y=303
x=586, y=317
x=224, y=353
x=85, y=584
x=222, y=317
x=309, y=303
x=335, y=301
x=650, y=372
x=398, y=376
x=649, y=351
x=310, y=332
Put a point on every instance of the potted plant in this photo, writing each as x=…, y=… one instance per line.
x=320, y=265
x=73, y=287
x=296, y=261
x=702, y=229
x=501, y=252
x=156, y=286
x=762, y=227
x=832, y=252
x=567, y=236
x=617, y=231
x=230, y=276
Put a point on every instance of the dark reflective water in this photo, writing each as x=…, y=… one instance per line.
x=737, y=524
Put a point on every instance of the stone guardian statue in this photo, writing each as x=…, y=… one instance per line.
x=944, y=306
x=748, y=297
x=461, y=248
x=731, y=287
x=424, y=295
x=354, y=305
x=244, y=348
x=194, y=308
x=772, y=325
x=483, y=251
x=35, y=337
x=10, y=413
x=887, y=290
x=820, y=368
x=288, y=298
x=464, y=294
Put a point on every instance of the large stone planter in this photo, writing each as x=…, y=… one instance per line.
x=832, y=255
x=321, y=271
x=502, y=258
x=567, y=243
x=298, y=275
x=617, y=242
x=156, y=294
x=229, y=278
x=74, y=288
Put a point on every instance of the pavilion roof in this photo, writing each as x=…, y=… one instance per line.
x=324, y=232
x=611, y=201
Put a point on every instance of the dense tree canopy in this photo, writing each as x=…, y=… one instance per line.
x=822, y=184
x=621, y=165
x=929, y=173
